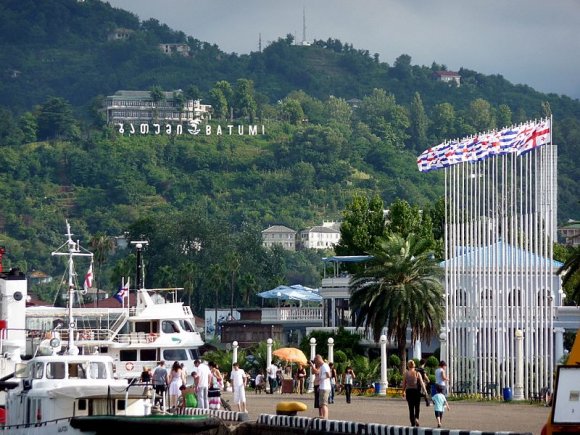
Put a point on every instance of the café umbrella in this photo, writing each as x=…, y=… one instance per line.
x=291, y=355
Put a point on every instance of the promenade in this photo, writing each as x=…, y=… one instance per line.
x=468, y=415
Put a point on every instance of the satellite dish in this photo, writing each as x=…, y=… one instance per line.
x=17, y=296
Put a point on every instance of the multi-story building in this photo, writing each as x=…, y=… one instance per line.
x=279, y=235
x=141, y=107
x=570, y=231
x=448, y=77
x=319, y=237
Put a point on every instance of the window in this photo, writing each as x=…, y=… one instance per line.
x=169, y=327
x=76, y=370
x=128, y=355
x=148, y=355
x=98, y=370
x=37, y=370
x=186, y=326
x=174, y=355
x=55, y=370
x=194, y=354
x=82, y=405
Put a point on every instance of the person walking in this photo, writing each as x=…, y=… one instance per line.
x=441, y=378
x=202, y=377
x=272, y=371
x=239, y=380
x=333, y=376
x=412, y=382
x=160, y=382
x=215, y=386
x=348, y=380
x=323, y=371
x=300, y=377
x=439, y=404
x=425, y=392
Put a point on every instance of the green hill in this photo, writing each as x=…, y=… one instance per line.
x=58, y=159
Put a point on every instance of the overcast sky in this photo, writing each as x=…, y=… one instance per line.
x=533, y=42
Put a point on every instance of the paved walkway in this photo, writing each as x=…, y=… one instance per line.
x=468, y=415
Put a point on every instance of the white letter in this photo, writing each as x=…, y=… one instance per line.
x=168, y=128
x=157, y=128
x=132, y=130
x=240, y=130
x=179, y=129
x=218, y=130
x=121, y=129
x=230, y=127
x=252, y=130
x=207, y=130
x=144, y=128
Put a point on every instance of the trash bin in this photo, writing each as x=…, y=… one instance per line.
x=377, y=388
x=507, y=394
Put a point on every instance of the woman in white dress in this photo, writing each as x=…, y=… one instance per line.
x=175, y=382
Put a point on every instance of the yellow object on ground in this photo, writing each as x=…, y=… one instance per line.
x=290, y=408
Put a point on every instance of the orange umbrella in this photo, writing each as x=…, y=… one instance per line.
x=291, y=354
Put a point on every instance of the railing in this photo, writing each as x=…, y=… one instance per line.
x=292, y=314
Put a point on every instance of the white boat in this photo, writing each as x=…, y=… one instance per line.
x=65, y=388
x=136, y=335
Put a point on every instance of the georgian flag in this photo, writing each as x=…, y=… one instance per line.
x=88, y=278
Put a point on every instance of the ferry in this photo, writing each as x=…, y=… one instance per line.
x=72, y=387
x=143, y=330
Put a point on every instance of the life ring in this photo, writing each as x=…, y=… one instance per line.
x=151, y=337
x=129, y=366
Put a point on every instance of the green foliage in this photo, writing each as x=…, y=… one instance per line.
x=347, y=343
x=399, y=287
x=432, y=362
x=394, y=361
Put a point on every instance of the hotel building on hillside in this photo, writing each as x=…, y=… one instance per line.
x=139, y=107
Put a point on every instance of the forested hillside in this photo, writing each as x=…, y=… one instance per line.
x=59, y=160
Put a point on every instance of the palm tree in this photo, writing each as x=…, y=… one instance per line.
x=400, y=288
x=101, y=245
x=570, y=271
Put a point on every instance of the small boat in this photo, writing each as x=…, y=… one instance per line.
x=141, y=330
x=65, y=388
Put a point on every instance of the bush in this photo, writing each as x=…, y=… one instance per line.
x=432, y=362
x=395, y=361
x=396, y=379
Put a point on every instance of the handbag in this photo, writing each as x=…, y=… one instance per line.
x=215, y=389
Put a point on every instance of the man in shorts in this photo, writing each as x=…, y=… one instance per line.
x=239, y=379
x=324, y=374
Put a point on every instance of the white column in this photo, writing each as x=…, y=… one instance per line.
x=268, y=352
x=235, y=352
x=558, y=344
x=332, y=312
x=443, y=347
x=519, y=384
x=312, y=355
x=384, y=383
x=417, y=350
x=330, y=349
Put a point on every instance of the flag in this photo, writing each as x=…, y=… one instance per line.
x=123, y=292
x=539, y=135
x=89, y=278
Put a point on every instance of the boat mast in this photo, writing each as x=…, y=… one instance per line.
x=73, y=250
x=139, y=285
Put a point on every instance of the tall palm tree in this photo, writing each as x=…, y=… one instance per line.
x=400, y=288
x=101, y=245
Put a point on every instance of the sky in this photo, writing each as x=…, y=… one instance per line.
x=532, y=42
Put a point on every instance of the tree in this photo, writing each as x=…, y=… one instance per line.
x=101, y=245
x=362, y=225
x=480, y=115
x=570, y=271
x=399, y=288
x=55, y=120
x=419, y=124
x=244, y=102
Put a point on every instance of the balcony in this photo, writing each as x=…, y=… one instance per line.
x=312, y=315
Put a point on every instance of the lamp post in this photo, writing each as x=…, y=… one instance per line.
x=384, y=383
x=312, y=355
x=235, y=352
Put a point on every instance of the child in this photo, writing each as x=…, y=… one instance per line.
x=439, y=403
